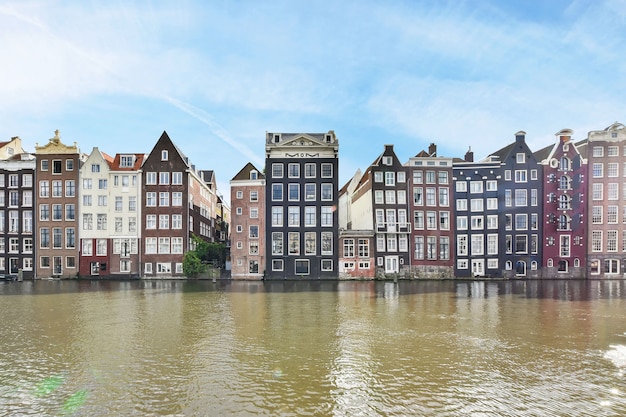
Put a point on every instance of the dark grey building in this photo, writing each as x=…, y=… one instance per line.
x=301, y=171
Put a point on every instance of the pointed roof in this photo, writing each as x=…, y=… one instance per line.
x=244, y=173
x=137, y=162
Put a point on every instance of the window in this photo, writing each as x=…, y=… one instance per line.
x=521, y=198
x=277, y=170
x=348, y=248
x=431, y=197
x=57, y=188
x=598, y=151
x=418, y=219
x=476, y=204
x=132, y=203
x=326, y=216
x=612, y=170
x=293, y=170
x=177, y=178
x=378, y=177
x=564, y=246
x=70, y=212
x=151, y=178
x=57, y=166
x=520, y=158
x=254, y=231
x=492, y=204
x=443, y=196
x=44, y=189
x=613, y=150
x=277, y=243
x=277, y=192
x=277, y=216
x=70, y=238
x=596, y=192
x=597, y=170
x=492, y=244
x=477, y=246
x=57, y=212
x=294, y=243
x=164, y=199
x=309, y=170
x=57, y=238
x=294, y=192
x=418, y=196
x=390, y=196
x=164, y=155
x=596, y=240
x=87, y=221
x=461, y=245
x=101, y=222
x=177, y=199
x=476, y=187
x=309, y=216
x=277, y=265
x=327, y=243
x=461, y=223
x=327, y=170
x=520, y=176
x=293, y=216
x=390, y=178
x=254, y=212
x=492, y=185
x=177, y=221
x=164, y=221
x=461, y=186
x=102, y=183
x=164, y=245
x=302, y=267
x=461, y=204
x=164, y=178
x=310, y=246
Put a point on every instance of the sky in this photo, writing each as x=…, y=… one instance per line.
x=217, y=75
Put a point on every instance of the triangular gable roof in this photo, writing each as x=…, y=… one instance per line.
x=244, y=173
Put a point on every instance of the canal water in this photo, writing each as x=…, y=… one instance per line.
x=177, y=348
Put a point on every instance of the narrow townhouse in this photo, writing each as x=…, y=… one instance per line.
x=247, y=196
x=57, y=176
x=178, y=203
x=430, y=187
x=125, y=202
x=477, y=251
x=565, y=201
x=95, y=217
x=606, y=243
x=356, y=257
x=382, y=192
x=17, y=243
x=301, y=171
x=520, y=185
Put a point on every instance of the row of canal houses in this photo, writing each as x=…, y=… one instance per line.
x=552, y=213
x=67, y=214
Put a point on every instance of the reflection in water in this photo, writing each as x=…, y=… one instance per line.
x=103, y=348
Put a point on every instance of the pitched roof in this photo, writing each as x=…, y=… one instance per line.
x=244, y=173
x=116, y=164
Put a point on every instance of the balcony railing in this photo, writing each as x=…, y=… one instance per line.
x=393, y=227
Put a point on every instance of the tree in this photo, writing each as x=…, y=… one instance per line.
x=192, y=264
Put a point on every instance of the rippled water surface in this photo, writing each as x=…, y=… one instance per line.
x=175, y=348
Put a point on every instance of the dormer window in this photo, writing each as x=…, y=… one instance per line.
x=254, y=175
x=276, y=138
x=328, y=138
x=127, y=161
x=164, y=155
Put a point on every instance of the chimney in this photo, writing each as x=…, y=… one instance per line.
x=565, y=135
x=520, y=136
x=432, y=150
x=469, y=155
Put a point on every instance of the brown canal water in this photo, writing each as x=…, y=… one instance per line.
x=177, y=348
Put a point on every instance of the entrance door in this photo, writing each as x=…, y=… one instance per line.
x=57, y=267
x=520, y=268
x=95, y=268
x=478, y=267
x=13, y=265
x=391, y=265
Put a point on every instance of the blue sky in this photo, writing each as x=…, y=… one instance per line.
x=216, y=75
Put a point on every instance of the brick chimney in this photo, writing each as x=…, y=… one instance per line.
x=432, y=150
x=469, y=155
x=565, y=135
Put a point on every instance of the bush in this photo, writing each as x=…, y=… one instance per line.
x=192, y=265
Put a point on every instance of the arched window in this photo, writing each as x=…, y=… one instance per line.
x=563, y=265
x=549, y=263
x=533, y=265
x=576, y=262
x=520, y=268
x=508, y=265
x=565, y=183
x=564, y=222
x=565, y=202
x=565, y=164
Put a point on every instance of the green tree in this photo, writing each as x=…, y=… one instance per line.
x=192, y=264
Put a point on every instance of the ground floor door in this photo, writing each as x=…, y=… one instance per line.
x=478, y=267
x=14, y=265
x=57, y=267
x=520, y=268
x=95, y=268
x=391, y=265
